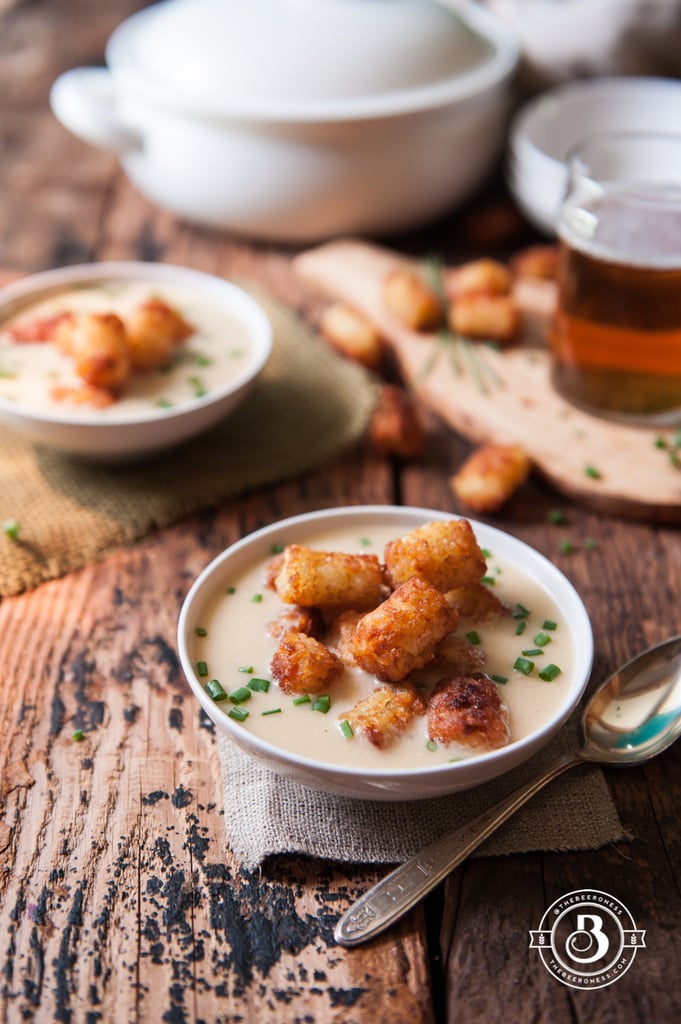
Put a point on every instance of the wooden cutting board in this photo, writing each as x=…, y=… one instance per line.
x=507, y=397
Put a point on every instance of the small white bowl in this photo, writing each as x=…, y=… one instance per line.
x=546, y=128
x=381, y=784
x=117, y=433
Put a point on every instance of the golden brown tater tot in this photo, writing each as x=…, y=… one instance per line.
x=302, y=664
x=396, y=427
x=467, y=709
x=476, y=601
x=98, y=344
x=485, y=317
x=490, y=476
x=385, y=713
x=445, y=553
x=411, y=301
x=352, y=335
x=155, y=330
x=309, y=577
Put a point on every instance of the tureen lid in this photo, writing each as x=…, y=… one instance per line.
x=300, y=58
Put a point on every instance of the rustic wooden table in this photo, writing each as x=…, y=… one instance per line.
x=119, y=899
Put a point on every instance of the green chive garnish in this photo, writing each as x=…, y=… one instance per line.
x=200, y=631
x=10, y=528
x=365, y=542
x=533, y=652
x=592, y=472
x=202, y=668
x=304, y=698
x=489, y=580
x=238, y=714
x=78, y=735
x=198, y=386
x=542, y=639
x=523, y=665
x=520, y=628
x=256, y=599
x=549, y=673
x=240, y=695
x=231, y=590
x=431, y=745
x=473, y=637
x=215, y=690
x=248, y=669
x=520, y=612
x=590, y=544
x=276, y=549
x=549, y=624
x=260, y=685
x=272, y=711
x=486, y=553
x=567, y=547
x=322, y=703
x=499, y=679
x=346, y=729
x=556, y=516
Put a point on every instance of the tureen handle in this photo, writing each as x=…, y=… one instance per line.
x=84, y=100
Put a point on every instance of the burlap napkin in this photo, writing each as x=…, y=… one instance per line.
x=267, y=814
x=307, y=407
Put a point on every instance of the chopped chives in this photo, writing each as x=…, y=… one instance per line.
x=10, y=528
x=256, y=599
x=272, y=711
x=549, y=624
x=260, y=685
x=567, y=547
x=532, y=652
x=200, y=631
x=277, y=548
x=239, y=714
x=248, y=669
x=549, y=673
x=201, y=360
x=304, y=698
x=486, y=553
x=590, y=544
x=431, y=745
x=520, y=611
x=346, y=729
x=520, y=628
x=499, y=679
x=660, y=442
x=524, y=665
x=556, y=516
x=202, y=668
x=322, y=703
x=542, y=639
x=231, y=590
x=78, y=735
x=215, y=690
x=240, y=695
x=365, y=542
x=592, y=472
x=489, y=580
x=473, y=636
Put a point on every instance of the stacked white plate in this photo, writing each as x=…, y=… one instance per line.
x=544, y=131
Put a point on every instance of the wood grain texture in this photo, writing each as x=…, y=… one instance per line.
x=506, y=397
x=119, y=898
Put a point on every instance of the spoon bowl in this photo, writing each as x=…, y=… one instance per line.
x=633, y=716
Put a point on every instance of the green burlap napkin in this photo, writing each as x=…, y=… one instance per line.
x=307, y=407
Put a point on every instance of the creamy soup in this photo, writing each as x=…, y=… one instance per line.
x=231, y=644
x=216, y=353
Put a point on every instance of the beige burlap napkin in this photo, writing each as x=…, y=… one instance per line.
x=267, y=814
x=307, y=407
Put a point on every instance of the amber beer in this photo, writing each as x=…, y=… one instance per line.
x=616, y=335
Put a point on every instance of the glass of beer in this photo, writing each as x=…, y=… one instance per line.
x=616, y=334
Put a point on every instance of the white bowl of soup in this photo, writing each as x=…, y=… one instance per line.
x=120, y=360
x=454, y=651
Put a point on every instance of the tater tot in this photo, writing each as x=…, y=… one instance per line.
x=155, y=330
x=309, y=577
x=468, y=709
x=537, y=262
x=490, y=476
x=402, y=633
x=297, y=620
x=456, y=656
x=411, y=301
x=476, y=601
x=340, y=633
x=479, y=276
x=385, y=713
x=352, y=335
x=302, y=664
x=98, y=344
x=396, y=427
x=445, y=553
x=485, y=317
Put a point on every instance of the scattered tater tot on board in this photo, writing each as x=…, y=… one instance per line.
x=483, y=276
x=411, y=300
x=443, y=552
x=351, y=334
x=396, y=427
x=302, y=664
x=402, y=633
x=308, y=577
x=385, y=713
x=536, y=262
x=467, y=709
x=485, y=317
x=490, y=476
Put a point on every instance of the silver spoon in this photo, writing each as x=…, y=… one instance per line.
x=633, y=716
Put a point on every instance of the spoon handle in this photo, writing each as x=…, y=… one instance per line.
x=399, y=891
